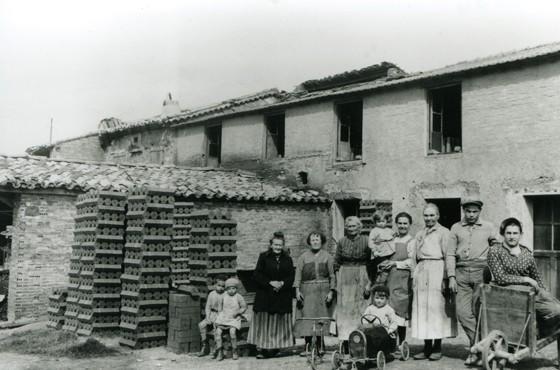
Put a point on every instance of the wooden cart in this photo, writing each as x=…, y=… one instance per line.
x=508, y=326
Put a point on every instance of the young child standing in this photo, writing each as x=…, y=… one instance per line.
x=382, y=246
x=381, y=309
x=233, y=307
x=213, y=307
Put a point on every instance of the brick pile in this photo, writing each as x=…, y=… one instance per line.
x=180, y=243
x=57, y=308
x=102, y=225
x=367, y=209
x=93, y=302
x=145, y=282
x=184, y=316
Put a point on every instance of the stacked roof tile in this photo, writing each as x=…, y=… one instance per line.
x=198, y=183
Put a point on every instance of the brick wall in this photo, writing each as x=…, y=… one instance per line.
x=256, y=222
x=41, y=249
x=85, y=148
x=155, y=147
x=190, y=142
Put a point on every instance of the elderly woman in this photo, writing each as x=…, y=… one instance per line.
x=433, y=309
x=315, y=287
x=398, y=265
x=271, y=326
x=352, y=253
x=513, y=264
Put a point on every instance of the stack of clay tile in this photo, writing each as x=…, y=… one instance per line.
x=198, y=253
x=93, y=302
x=145, y=281
x=180, y=243
x=102, y=224
x=368, y=208
x=184, y=315
x=57, y=308
x=222, y=249
x=72, y=308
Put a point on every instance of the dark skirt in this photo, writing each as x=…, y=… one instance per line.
x=314, y=306
x=271, y=331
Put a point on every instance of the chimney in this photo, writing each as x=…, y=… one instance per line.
x=170, y=107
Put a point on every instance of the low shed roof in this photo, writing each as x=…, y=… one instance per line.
x=30, y=172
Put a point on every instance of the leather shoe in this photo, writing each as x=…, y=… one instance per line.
x=420, y=356
x=435, y=356
x=471, y=360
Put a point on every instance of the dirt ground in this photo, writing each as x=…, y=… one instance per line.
x=454, y=351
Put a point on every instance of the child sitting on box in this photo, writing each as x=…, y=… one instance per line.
x=213, y=307
x=233, y=307
x=382, y=245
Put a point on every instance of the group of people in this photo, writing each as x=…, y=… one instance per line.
x=430, y=280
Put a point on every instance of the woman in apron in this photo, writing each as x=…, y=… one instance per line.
x=352, y=253
x=398, y=280
x=315, y=286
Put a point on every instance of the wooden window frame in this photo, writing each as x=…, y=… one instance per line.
x=354, y=151
x=280, y=142
x=438, y=143
x=207, y=130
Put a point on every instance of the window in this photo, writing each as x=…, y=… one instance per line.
x=445, y=120
x=213, y=145
x=546, y=222
x=275, y=134
x=349, y=146
x=449, y=210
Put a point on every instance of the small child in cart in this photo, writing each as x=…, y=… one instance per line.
x=382, y=310
x=233, y=308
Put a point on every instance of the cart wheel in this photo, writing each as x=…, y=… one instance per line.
x=405, y=351
x=336, y=360
x=380, y=360
x=495, y=341
x=313, y=358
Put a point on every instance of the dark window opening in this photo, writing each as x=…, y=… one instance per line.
x=449, y=210
x=302, y=177
x=275, y=136
x=348, y=207
x=6, y=222
x=214, y=146
x=546, y=222
x=445, y=120
x=349, y=145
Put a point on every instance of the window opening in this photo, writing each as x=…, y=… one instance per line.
x=275, y=135
x=214, y=145
x=349, y=146
x=445, y=120
x=546, y=222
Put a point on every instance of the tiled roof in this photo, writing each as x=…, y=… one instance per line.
x=201, y=183
x=34, y=150
x=370, y=73
x=480, y=64
x=248, y=102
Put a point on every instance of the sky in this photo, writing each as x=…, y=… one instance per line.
x=78, y=62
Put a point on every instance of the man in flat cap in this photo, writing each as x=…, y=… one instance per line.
x=469, y=241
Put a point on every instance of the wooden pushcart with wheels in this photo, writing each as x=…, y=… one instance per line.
x=508, y=326
x=368, y=344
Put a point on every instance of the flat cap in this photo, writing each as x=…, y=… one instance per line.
x=472, y=201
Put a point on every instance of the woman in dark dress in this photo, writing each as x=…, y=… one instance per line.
x=271, y=327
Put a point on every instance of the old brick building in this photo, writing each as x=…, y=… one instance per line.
x=485, y=127
x=41, y=195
